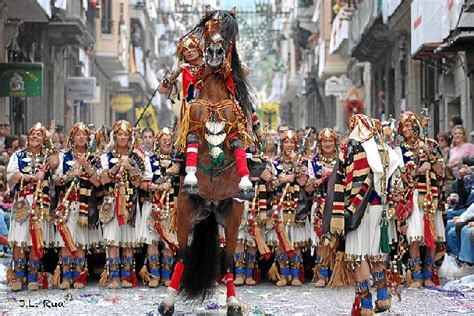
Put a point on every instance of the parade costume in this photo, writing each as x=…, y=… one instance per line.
x=31, y=227
x=421, y=210
x=157, y=219
x=291, y=225
x=75, y=228
x=360, y=208
x=251, y=231
x=319, y=170
x=120, y=207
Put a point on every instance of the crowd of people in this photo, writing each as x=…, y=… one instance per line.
x=79, y=195
x=373, y=207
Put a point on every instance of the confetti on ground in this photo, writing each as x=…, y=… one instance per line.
x=456, y=296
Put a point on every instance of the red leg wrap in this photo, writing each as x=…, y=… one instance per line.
x=241, y=161
x=177, y=274
x=229, y=283
x=191, y=155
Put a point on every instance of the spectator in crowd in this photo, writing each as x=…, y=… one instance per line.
x=4, y=132
x=464, y=188
x=460, y=149
x=282, y=129
x=444, y=144
x=148, y=140
x=11, y=144
x=4, y=210
x=458, y=237
x=455, y=120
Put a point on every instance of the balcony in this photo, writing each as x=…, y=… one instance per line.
x=28, y=10
x=70, y=26
x=369, y=37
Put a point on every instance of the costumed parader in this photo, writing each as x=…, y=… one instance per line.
x=157, y=219
x=76, y=180
x=420, y=218
x=31, y=229
x=122, y=168
x=360, y=209
x=320, y=168
x=251, y=231
x=290, y=232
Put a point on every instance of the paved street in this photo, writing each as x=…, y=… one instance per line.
x=265, y=299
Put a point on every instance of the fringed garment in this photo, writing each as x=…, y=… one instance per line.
x=418, y=189
x=19, y=234
x=123, y=197
x=158, y=207
x=293, y=214
x=84, y=233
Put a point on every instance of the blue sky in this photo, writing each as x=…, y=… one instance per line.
x=229, y=4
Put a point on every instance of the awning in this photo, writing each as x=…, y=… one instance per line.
x=433, y=51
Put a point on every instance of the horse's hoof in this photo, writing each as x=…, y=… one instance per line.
x=191, y=189
x=246, y=194
x=165, y=310
x=234, y=310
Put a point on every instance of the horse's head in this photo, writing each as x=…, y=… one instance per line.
x=220, y=31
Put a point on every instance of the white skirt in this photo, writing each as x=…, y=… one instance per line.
x=297, y=232
x=144, y=233
x=364, y=242
x=416, y=225
x=84, y=237
x=78, y=234
x=19, y=234
x=120, y=236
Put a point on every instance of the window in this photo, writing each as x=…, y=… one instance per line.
x=106, y=19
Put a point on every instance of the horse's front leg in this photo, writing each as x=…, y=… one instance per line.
x=190, y=184
x=184, y=220
x=231, y=235
x=246, y=190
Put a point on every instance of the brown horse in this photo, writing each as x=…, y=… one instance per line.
x=215, y=124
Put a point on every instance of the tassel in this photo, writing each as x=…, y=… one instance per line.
x=356, y=306
x=435, y=277
x=284, y=240
x=103, y=278
x=302, y=273
x=36, y=238
x=134, y=279
x=261, y=245
x=257, y=274
x=67, y=238
x=56, y=276
x=121, y=204
x=44, y=281
x=409, y=278
x=82, y=278
x=170, y=241
x=342, y=275
x=181, y=141
x=273, y=273
x=429, y=241
x=10, y=275
x=384, y=239
x=144, y=274
x=315, y=274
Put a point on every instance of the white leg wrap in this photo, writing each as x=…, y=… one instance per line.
x=245, y=183
x=190, y=178
x=232, y=301
x=171, y=297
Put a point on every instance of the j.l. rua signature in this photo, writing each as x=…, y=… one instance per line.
x=41, y=304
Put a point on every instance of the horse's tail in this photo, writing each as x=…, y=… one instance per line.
x=201, y=259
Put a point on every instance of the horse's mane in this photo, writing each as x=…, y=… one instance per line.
x=229, y=31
